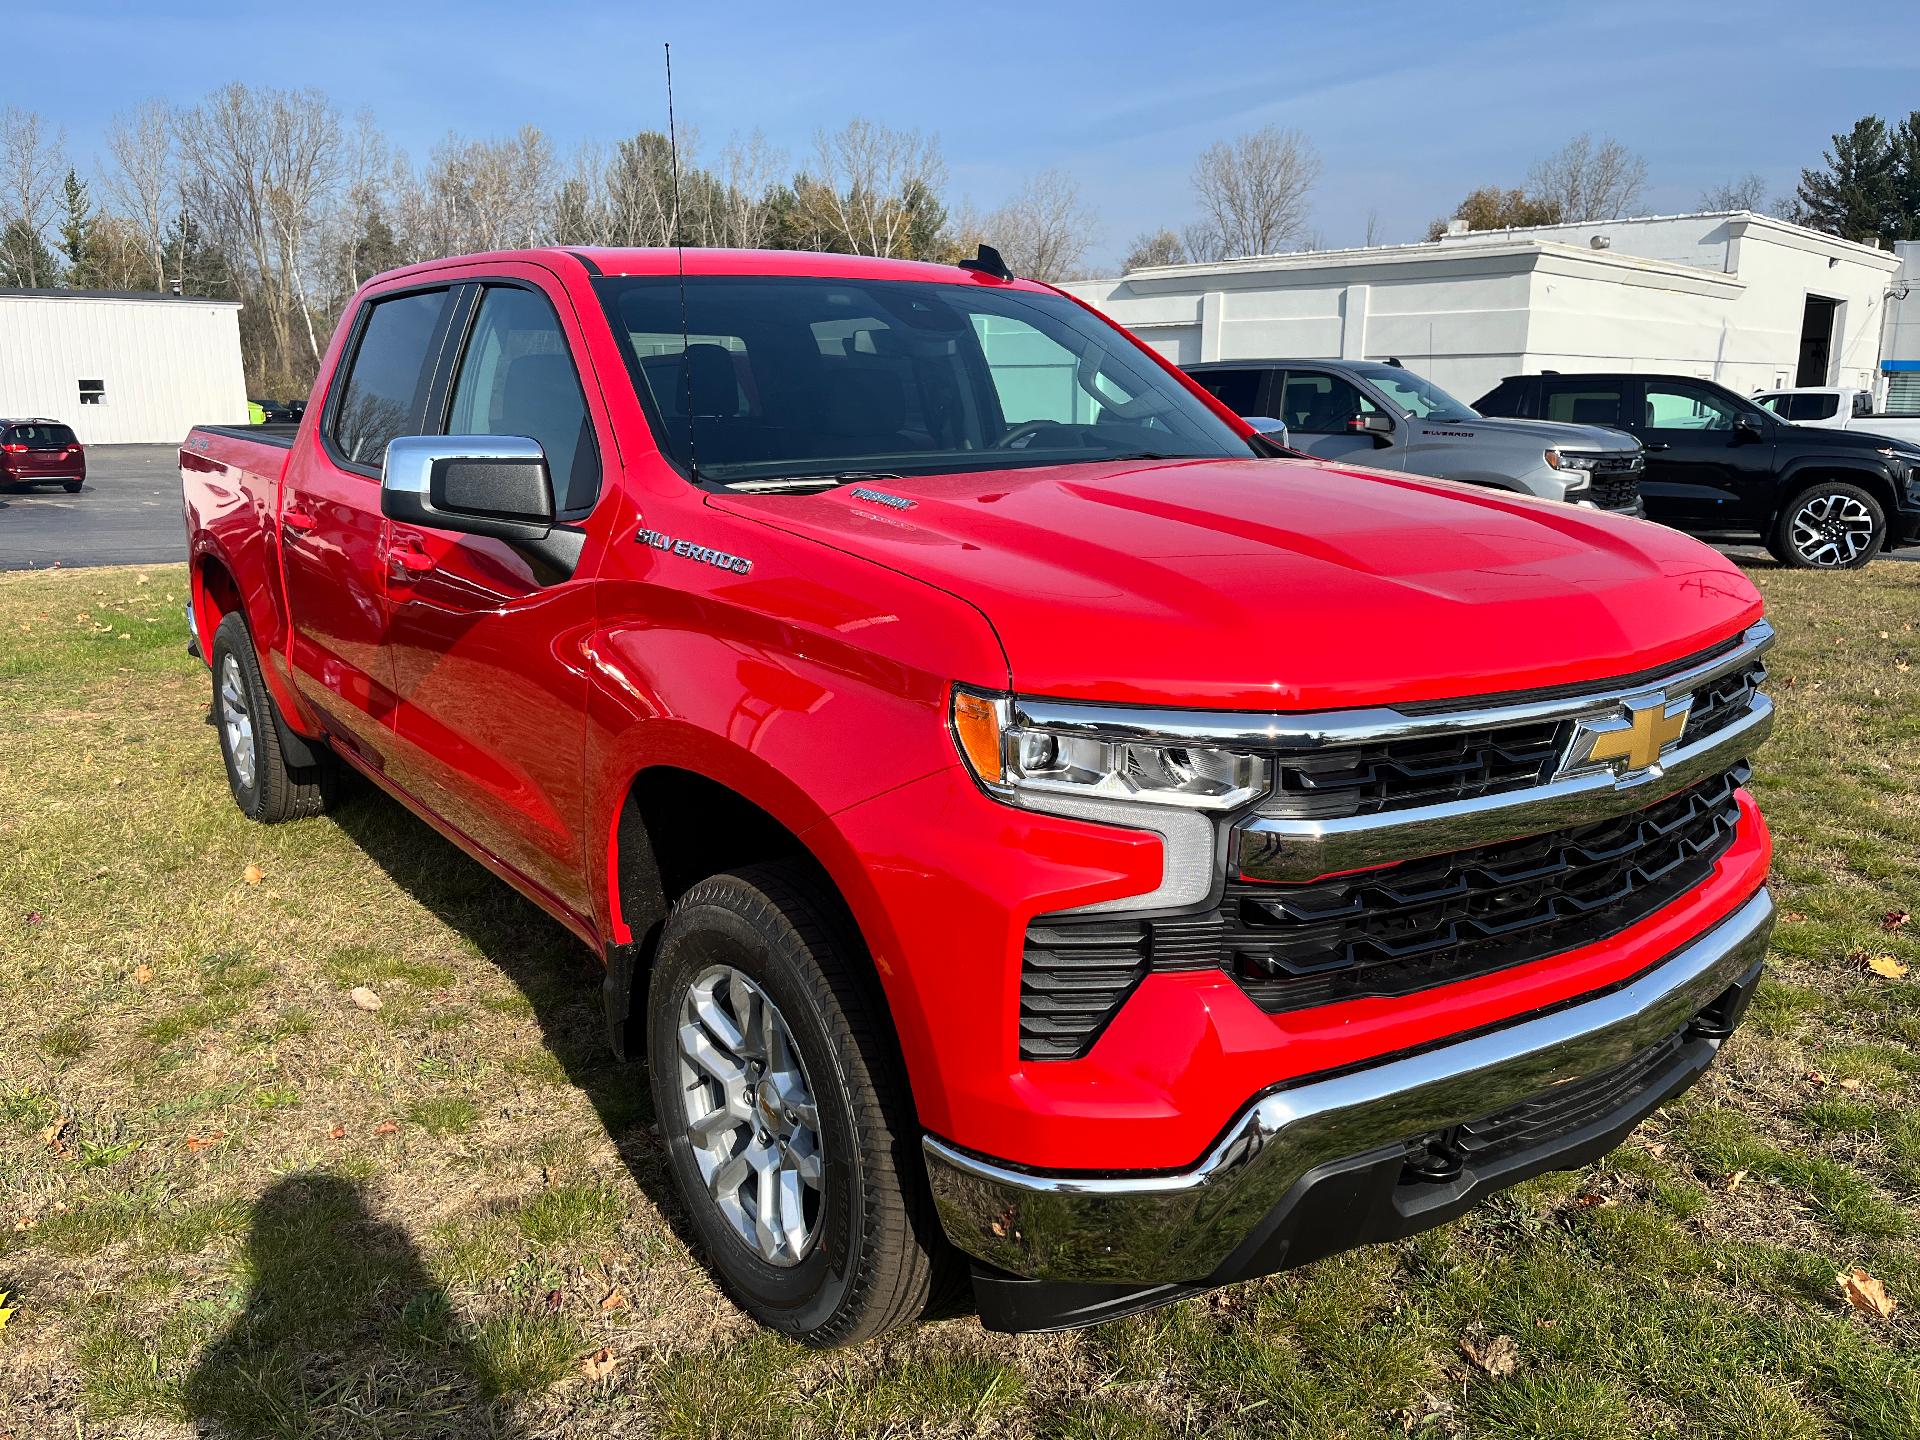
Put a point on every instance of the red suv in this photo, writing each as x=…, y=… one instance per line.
x=41, y=452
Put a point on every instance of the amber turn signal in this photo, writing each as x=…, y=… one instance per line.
x=976, y=726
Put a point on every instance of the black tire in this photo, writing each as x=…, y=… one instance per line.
x=1805, y=538
x=72, y=487
x=877, y=1257
x=274, y=790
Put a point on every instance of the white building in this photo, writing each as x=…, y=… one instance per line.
x=1900, y=345
x=1736, y=297
x=121, y=367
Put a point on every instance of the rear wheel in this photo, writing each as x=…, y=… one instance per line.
x=1830, y=525
x=72, y=487
x=785, y=1110
x=264, y=785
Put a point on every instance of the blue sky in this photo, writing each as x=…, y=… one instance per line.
x=1410, y=105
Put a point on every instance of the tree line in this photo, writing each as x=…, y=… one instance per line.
x=273, y=198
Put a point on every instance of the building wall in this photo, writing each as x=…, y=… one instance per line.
x=1899, y=392
x=1719, y=296
x=166, y=365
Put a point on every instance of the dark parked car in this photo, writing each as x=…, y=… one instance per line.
x=41, y=452
x=1718, y=464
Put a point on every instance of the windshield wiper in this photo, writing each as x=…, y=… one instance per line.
x=779, y=484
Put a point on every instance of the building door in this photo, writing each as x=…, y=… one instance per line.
x=1816, y=341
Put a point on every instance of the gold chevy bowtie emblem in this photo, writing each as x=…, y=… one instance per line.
x=1635, y=742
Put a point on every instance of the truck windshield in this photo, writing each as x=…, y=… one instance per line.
x=791, y=378
x=1416, y=395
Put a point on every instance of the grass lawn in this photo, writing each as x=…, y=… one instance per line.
x=232, y=1202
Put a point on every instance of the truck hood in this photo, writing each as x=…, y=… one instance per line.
x=1546, y=432
x=1282, y=584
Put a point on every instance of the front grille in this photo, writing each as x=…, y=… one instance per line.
x=1403, y=928
x=1400, y=774
x=1721, y=701
x=1615, y=492
x=1546, y=1117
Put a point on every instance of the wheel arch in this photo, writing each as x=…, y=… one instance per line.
x=1803, y=476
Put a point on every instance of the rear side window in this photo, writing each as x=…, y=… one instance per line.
x=1238, y=390
x=384, y=392
x=1581, y=403
x=1815, y=407
x=40, y=436
x=517, y=378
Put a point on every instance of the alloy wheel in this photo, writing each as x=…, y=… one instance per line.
x=749, y=1115
x=1831, y=530
x=237, y=719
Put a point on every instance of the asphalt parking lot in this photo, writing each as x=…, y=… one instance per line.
x=128, y=513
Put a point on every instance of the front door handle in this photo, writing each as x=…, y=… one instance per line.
x=408, y=559
x=297, y=520
x=1655, y=445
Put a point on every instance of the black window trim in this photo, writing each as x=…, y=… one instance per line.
x=350, y=355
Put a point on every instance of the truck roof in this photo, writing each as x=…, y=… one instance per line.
x=616, y=260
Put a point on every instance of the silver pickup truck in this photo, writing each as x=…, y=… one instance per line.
x=1380, y=414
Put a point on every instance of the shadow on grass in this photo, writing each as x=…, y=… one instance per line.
x=342, y=1322
x=556, y=974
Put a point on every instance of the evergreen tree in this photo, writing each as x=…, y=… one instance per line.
x=193, y=266
x=1905, y=146
x=1854, y=195
x=76, y=235
x=25, y=260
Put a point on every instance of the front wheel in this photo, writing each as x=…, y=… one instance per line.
x=1830, y=525
x=788, y=1124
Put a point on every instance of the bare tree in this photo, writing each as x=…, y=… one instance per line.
x=142, y=183
x=1749, y=192
x=489, y=194
x=1254, y=190
x=748, y=172
x=875, y=188
x=1044, y=230
x=1155, y=247
x=1588, y=181
x=33, y=165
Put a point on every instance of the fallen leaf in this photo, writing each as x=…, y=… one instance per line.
x=364, y=998
x=253, y=874
x=598, y=1365
x=1594, y=1202
x=1886, y=967
x=25, y=1222
x=142, y=974
x=613, y=1299
x=1893, y=920
x=201, y=1142
x=54, y=1137
x=1791, y=917
x=1657, y=1149
x=554, y=1301
x=1733, y=1180
x=1849, y=1084
x=6, y=1310
x=385, y=1127
x=1497, y=1357
x=338, y=1132
x=1866, y=1294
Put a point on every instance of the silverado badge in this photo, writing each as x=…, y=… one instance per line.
x=1630, y=741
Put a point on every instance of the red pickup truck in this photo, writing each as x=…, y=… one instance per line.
x=1040, y=837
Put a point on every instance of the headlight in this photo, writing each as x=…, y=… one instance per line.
x=1177, y=791
x=1569, y=460
x=1026, y=762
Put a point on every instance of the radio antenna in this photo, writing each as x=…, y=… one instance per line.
x=680, y=258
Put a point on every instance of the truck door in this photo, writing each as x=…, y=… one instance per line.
x=331, y=528
x=1702, y=467
x=491, y=688
x=1324, y=415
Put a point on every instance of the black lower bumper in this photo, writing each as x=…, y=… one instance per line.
x=1397, y=1190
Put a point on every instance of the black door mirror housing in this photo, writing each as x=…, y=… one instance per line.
x=491, y=485
x=1748, y=427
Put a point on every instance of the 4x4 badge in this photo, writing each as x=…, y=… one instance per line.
x=1631, y=741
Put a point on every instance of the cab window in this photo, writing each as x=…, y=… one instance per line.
x=1314, y=403
x=384, y=392
x=1238, y=390
x=1672, y=405
x=517, y=378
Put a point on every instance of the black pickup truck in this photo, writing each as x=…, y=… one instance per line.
x=1720, y=465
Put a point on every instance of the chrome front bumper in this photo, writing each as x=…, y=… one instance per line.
x=1180, y=1229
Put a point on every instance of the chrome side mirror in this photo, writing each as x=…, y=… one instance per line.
x=491, y=485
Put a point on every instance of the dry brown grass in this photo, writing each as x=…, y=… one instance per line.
x=197, y=1251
